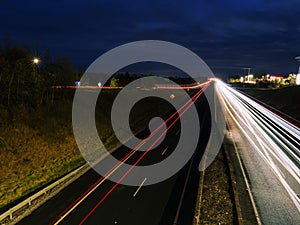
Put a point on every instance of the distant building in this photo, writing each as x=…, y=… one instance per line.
x=249, y=79
x=276, y=78
x=298, y=79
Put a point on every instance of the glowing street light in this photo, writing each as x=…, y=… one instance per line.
x=36, y=61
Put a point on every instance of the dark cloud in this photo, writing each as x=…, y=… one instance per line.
x=261, y=34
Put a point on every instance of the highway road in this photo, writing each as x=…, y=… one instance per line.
x=92, y=199
x=269, y=152
x=269, y=148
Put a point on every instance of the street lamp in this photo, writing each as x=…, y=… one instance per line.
x=36, y=61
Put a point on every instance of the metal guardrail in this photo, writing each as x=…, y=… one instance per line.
x=27, y=202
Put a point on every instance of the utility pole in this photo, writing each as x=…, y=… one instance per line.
x=249, y=69
x=298, y=59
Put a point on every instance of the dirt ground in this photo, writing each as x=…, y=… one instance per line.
x=217, y=199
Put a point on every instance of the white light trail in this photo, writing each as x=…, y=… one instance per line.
x=276, y=140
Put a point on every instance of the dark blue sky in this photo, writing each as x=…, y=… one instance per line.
x=227, y=34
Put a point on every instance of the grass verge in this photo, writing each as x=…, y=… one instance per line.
x=37, y=146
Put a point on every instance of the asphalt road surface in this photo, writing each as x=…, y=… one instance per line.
x=269, y=150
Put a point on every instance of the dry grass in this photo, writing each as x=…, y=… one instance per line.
x=217, y=203
x=33, y=154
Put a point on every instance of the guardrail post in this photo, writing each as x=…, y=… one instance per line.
x=11, y=215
